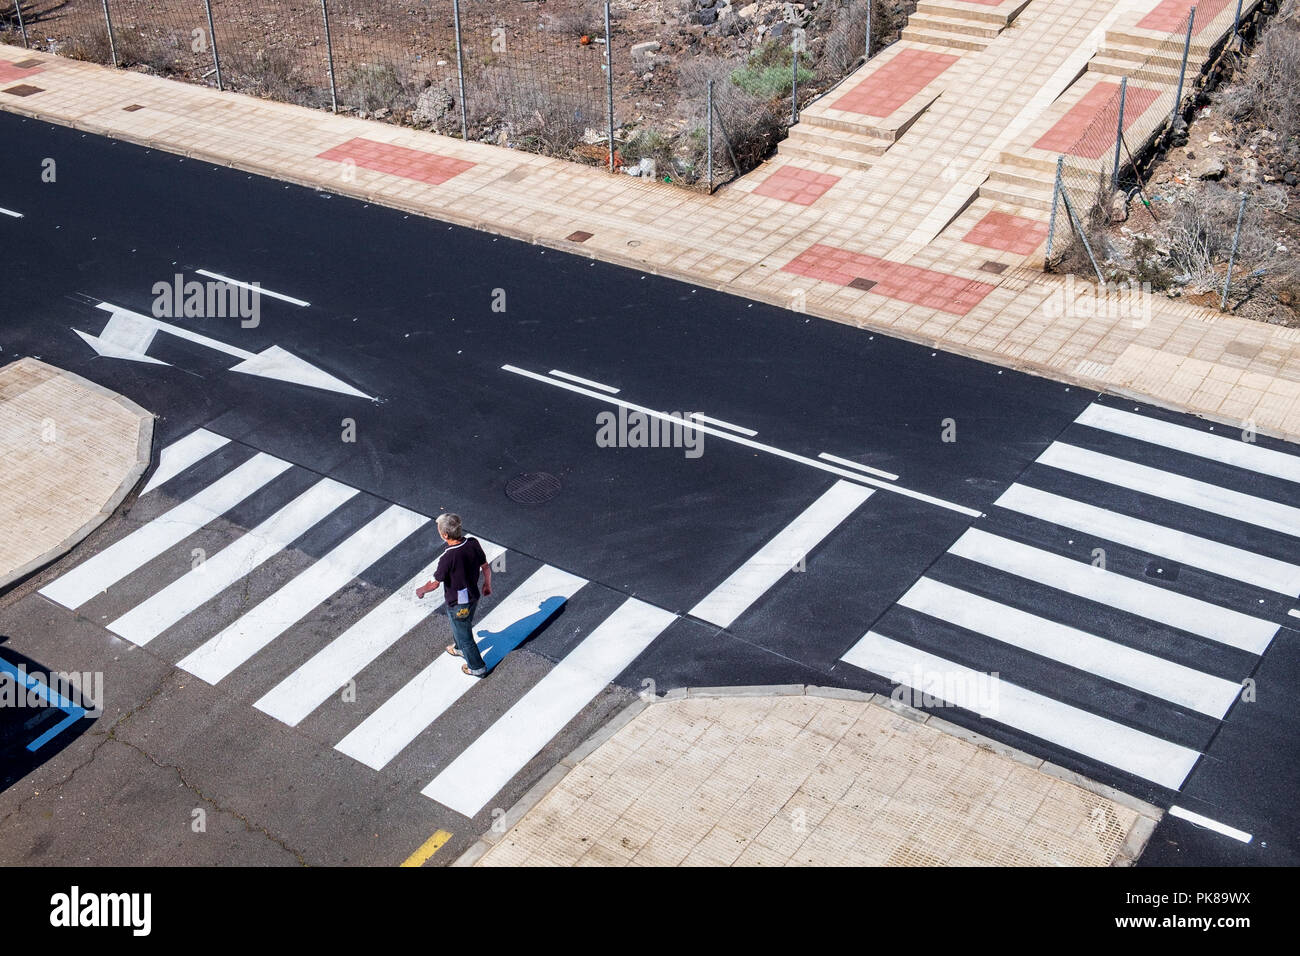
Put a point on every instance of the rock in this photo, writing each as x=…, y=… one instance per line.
x=778, y=30
x=1211, y=167
x=433, y=105
x=748, y=11
x=708, y=4
x=649, y=46
x=383, y=113
x=1190, y=154
x=647, y=77
x=1215, y=138
x=707, y=17
x=1289, y=178
x=1119, y=208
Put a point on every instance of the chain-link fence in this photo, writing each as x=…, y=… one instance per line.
x=562, y=77
x=1100, y=171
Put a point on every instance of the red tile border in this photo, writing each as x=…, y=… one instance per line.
x=888, y=88
x=895, y=280
x=796, y=184
x=1000, y=230
x=9, y=72
x=1170, y=16
x=398, y=160
x=1099, y=105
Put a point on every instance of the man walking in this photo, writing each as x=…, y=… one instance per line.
x=458, y=570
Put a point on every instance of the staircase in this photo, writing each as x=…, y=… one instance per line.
x=957, y=25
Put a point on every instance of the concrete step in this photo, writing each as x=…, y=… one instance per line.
x=1016, y=196
x=1022, y=177
x=1138, y=54
x=1021, y=161
x=818, y=153
x=929, y=23
x=1124, y=36
x=1106, y=66
x=864, y=128
x=956, y=8
x=813, y=135
x=954, y=41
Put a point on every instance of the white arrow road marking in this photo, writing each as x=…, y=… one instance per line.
x=181, y=454
x=128, y=335
x=1209, y=824
x=254, y=287
x=11, y=213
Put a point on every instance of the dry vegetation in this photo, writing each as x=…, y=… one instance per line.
x=1244, y=140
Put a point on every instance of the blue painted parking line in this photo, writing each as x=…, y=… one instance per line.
x=30, y=683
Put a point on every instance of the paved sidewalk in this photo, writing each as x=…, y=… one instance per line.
x=915, y=246
x=797, y=779
x=70, y=451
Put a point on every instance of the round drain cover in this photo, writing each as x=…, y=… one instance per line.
x=533, y=487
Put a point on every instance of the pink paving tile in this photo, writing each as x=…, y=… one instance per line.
x=1170, y=16
x=1000, y=230
x=889, y=87
x=895, y=280
x=398, y=160
x=1101, y=105
x=797, y=185
x=9, y=72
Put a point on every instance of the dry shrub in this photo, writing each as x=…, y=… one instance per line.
x=275, y=74
x=368, y=87
x=751, y=124
x=1202, y=229
x=583, y=18
x=1268, y=96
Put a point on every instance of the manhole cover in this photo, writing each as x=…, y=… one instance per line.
x=533, y=487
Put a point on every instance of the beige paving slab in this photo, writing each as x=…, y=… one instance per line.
x=806, y=780
x=70, y=451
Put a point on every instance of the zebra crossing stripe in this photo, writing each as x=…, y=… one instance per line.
x=147, y=620
x=254, y=630
x=1180, y=546
x=1093, y=736
x=405, y=715
x=295, y=697
x=1172, y=487
x=491, y=761
x=183, y=453
x=775, y=559
x=98, y=573
x=1231, y=451
x=1147, y=673
x=1106, y=587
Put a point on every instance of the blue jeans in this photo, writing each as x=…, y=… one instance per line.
x=462, y=632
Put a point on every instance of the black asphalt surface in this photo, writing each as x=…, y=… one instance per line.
x=402, y=309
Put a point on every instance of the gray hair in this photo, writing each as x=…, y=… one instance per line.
x=449, y=524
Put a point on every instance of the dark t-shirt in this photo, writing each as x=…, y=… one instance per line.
x=458, y=570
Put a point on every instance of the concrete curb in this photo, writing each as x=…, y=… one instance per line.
x=143, y=455
x=1148, y=814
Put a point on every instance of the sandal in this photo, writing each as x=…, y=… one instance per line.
x=451, y=649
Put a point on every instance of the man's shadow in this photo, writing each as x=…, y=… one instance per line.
x=494, y=645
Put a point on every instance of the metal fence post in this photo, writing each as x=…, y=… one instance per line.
x=212, y=37
x=794, y=90
x=1232, y=259
x=1236, y=21
x=460, y=71
x=18, y=8
x=868, y=43
x=329, y=53
x=1051, y=220
x=1182, y=74
x=112, y=43
x=1119, y=132
x=1087, y=246
x=708, y=136
x=609, y=84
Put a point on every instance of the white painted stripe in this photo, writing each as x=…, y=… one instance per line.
x=480, y=771
x=1189, y=549
x=701, y=417
x=11, y=213
x=750, y=443
x=585, y=381
x=115, y=562
x=295, y=697
x=258, y=289
x=776, y=558
x=861, y=467
x=1209, y=824
x=1124, y=665
x=234, y=645
x=1106, y=587
x=183, y=453
x=1132, y=751
x=183, y=596
x=405, y=715
x=1231, y=451
x=1293, y=612
x=1172, y=487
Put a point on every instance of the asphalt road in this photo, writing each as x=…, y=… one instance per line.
x=424, y=317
